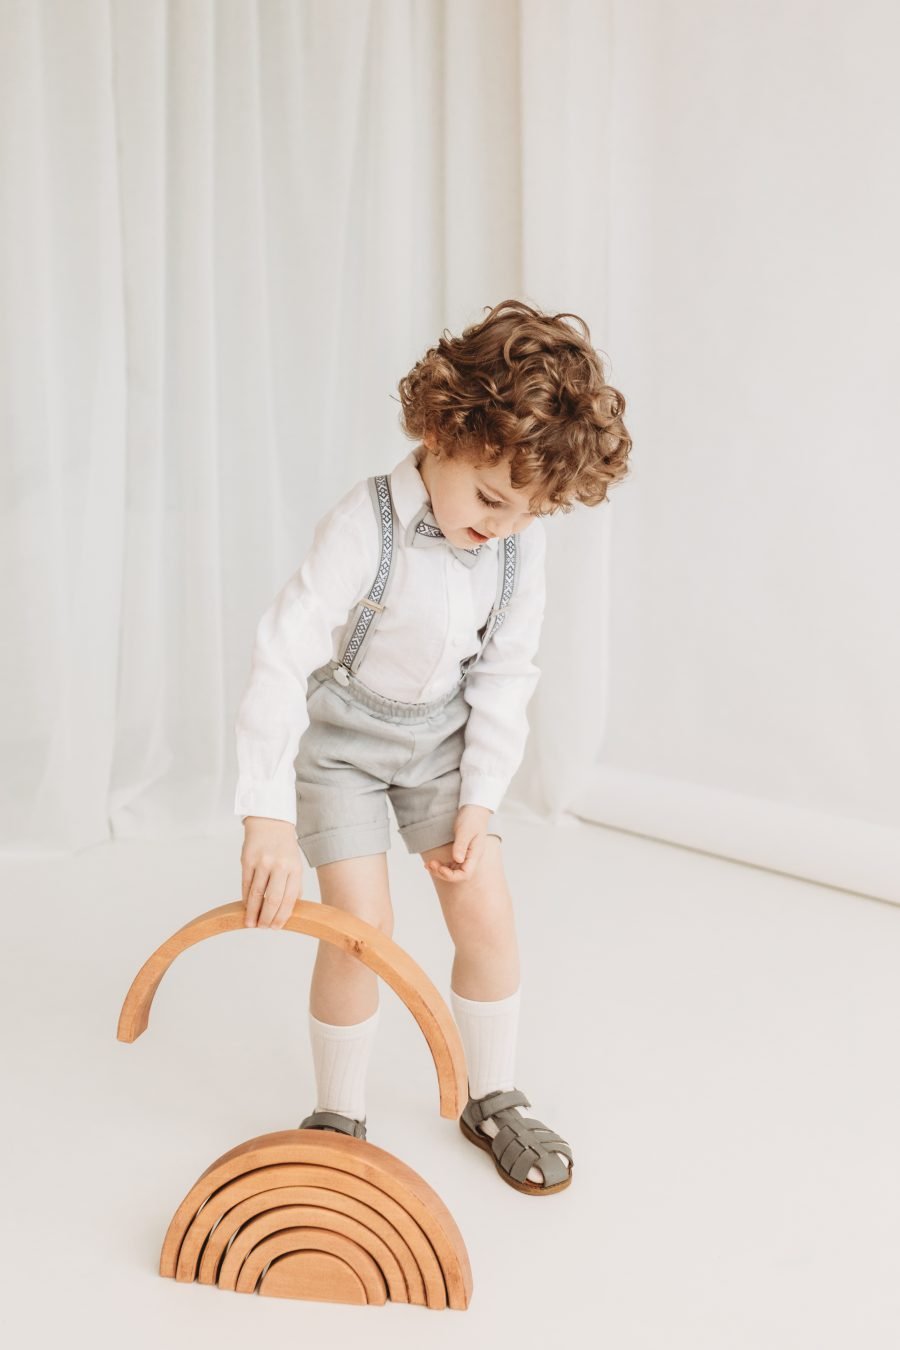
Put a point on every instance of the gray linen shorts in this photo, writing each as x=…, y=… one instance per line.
x=360, y=749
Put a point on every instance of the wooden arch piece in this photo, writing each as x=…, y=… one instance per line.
x=198, y=1251
x=383, y=1231
x=353, y=936
x=234, y=1272
x=314, y=1274
x=293, y=1242
x=374, y=1227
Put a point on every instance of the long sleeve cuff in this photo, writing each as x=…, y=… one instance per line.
x=478, y=789
x=266, y=799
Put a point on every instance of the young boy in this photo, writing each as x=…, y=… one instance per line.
x=397, y=662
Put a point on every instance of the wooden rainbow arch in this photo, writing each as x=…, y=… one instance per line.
x=354, y=936
x=311, y=1214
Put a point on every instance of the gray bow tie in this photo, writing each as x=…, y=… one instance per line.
x=424, y=531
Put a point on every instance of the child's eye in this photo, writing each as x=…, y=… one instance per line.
x=486, y=500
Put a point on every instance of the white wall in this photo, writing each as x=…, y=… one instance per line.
x=754, y=657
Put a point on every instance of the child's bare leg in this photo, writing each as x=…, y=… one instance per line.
x=479, y=916
x=343, y=991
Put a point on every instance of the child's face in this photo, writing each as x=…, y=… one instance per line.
x=462, y=494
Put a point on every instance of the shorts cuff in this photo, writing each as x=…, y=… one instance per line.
x=346, y=841
x=425, y=834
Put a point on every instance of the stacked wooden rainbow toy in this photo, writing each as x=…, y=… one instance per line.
x=311, y=1214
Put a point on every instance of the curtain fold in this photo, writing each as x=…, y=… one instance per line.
x=62, y=403
x=242, y=223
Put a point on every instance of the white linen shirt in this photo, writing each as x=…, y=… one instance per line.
x=435, y=605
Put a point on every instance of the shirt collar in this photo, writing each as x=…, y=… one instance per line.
x=410, y=493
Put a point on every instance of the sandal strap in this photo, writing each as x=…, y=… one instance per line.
x=330, y=1120
x=482, y=1108
x=518, y=1148
x=550, y=1140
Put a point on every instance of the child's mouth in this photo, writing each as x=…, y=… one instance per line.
x=479, y=538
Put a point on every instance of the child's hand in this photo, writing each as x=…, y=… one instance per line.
x=271, y=872
x=469, y=834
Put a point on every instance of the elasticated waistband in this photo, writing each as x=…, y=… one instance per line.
x=391, y=708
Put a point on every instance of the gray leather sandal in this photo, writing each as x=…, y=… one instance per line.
x=519, y=1144
x=330, y=1120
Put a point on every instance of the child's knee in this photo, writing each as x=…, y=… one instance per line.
x=478, y=915
x=359, y=886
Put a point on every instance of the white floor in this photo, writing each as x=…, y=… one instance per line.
x=718, y=1043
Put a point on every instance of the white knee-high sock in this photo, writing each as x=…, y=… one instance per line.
x=340, y=1061
x=488, y=1031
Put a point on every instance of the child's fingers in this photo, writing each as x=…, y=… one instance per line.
x=274, y=896
x=255, y=893
x=457, y=872
x=285, y=910
x=292, y=892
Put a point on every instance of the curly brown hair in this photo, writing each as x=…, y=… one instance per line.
x=523, y=385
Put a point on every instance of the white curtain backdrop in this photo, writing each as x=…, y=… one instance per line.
x=228, y=227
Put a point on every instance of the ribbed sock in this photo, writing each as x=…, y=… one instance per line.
x=340, y=1061
x=488, y=1031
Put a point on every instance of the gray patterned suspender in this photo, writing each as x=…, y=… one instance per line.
x=360, y=628
x=371, y=605
x=507, y=577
